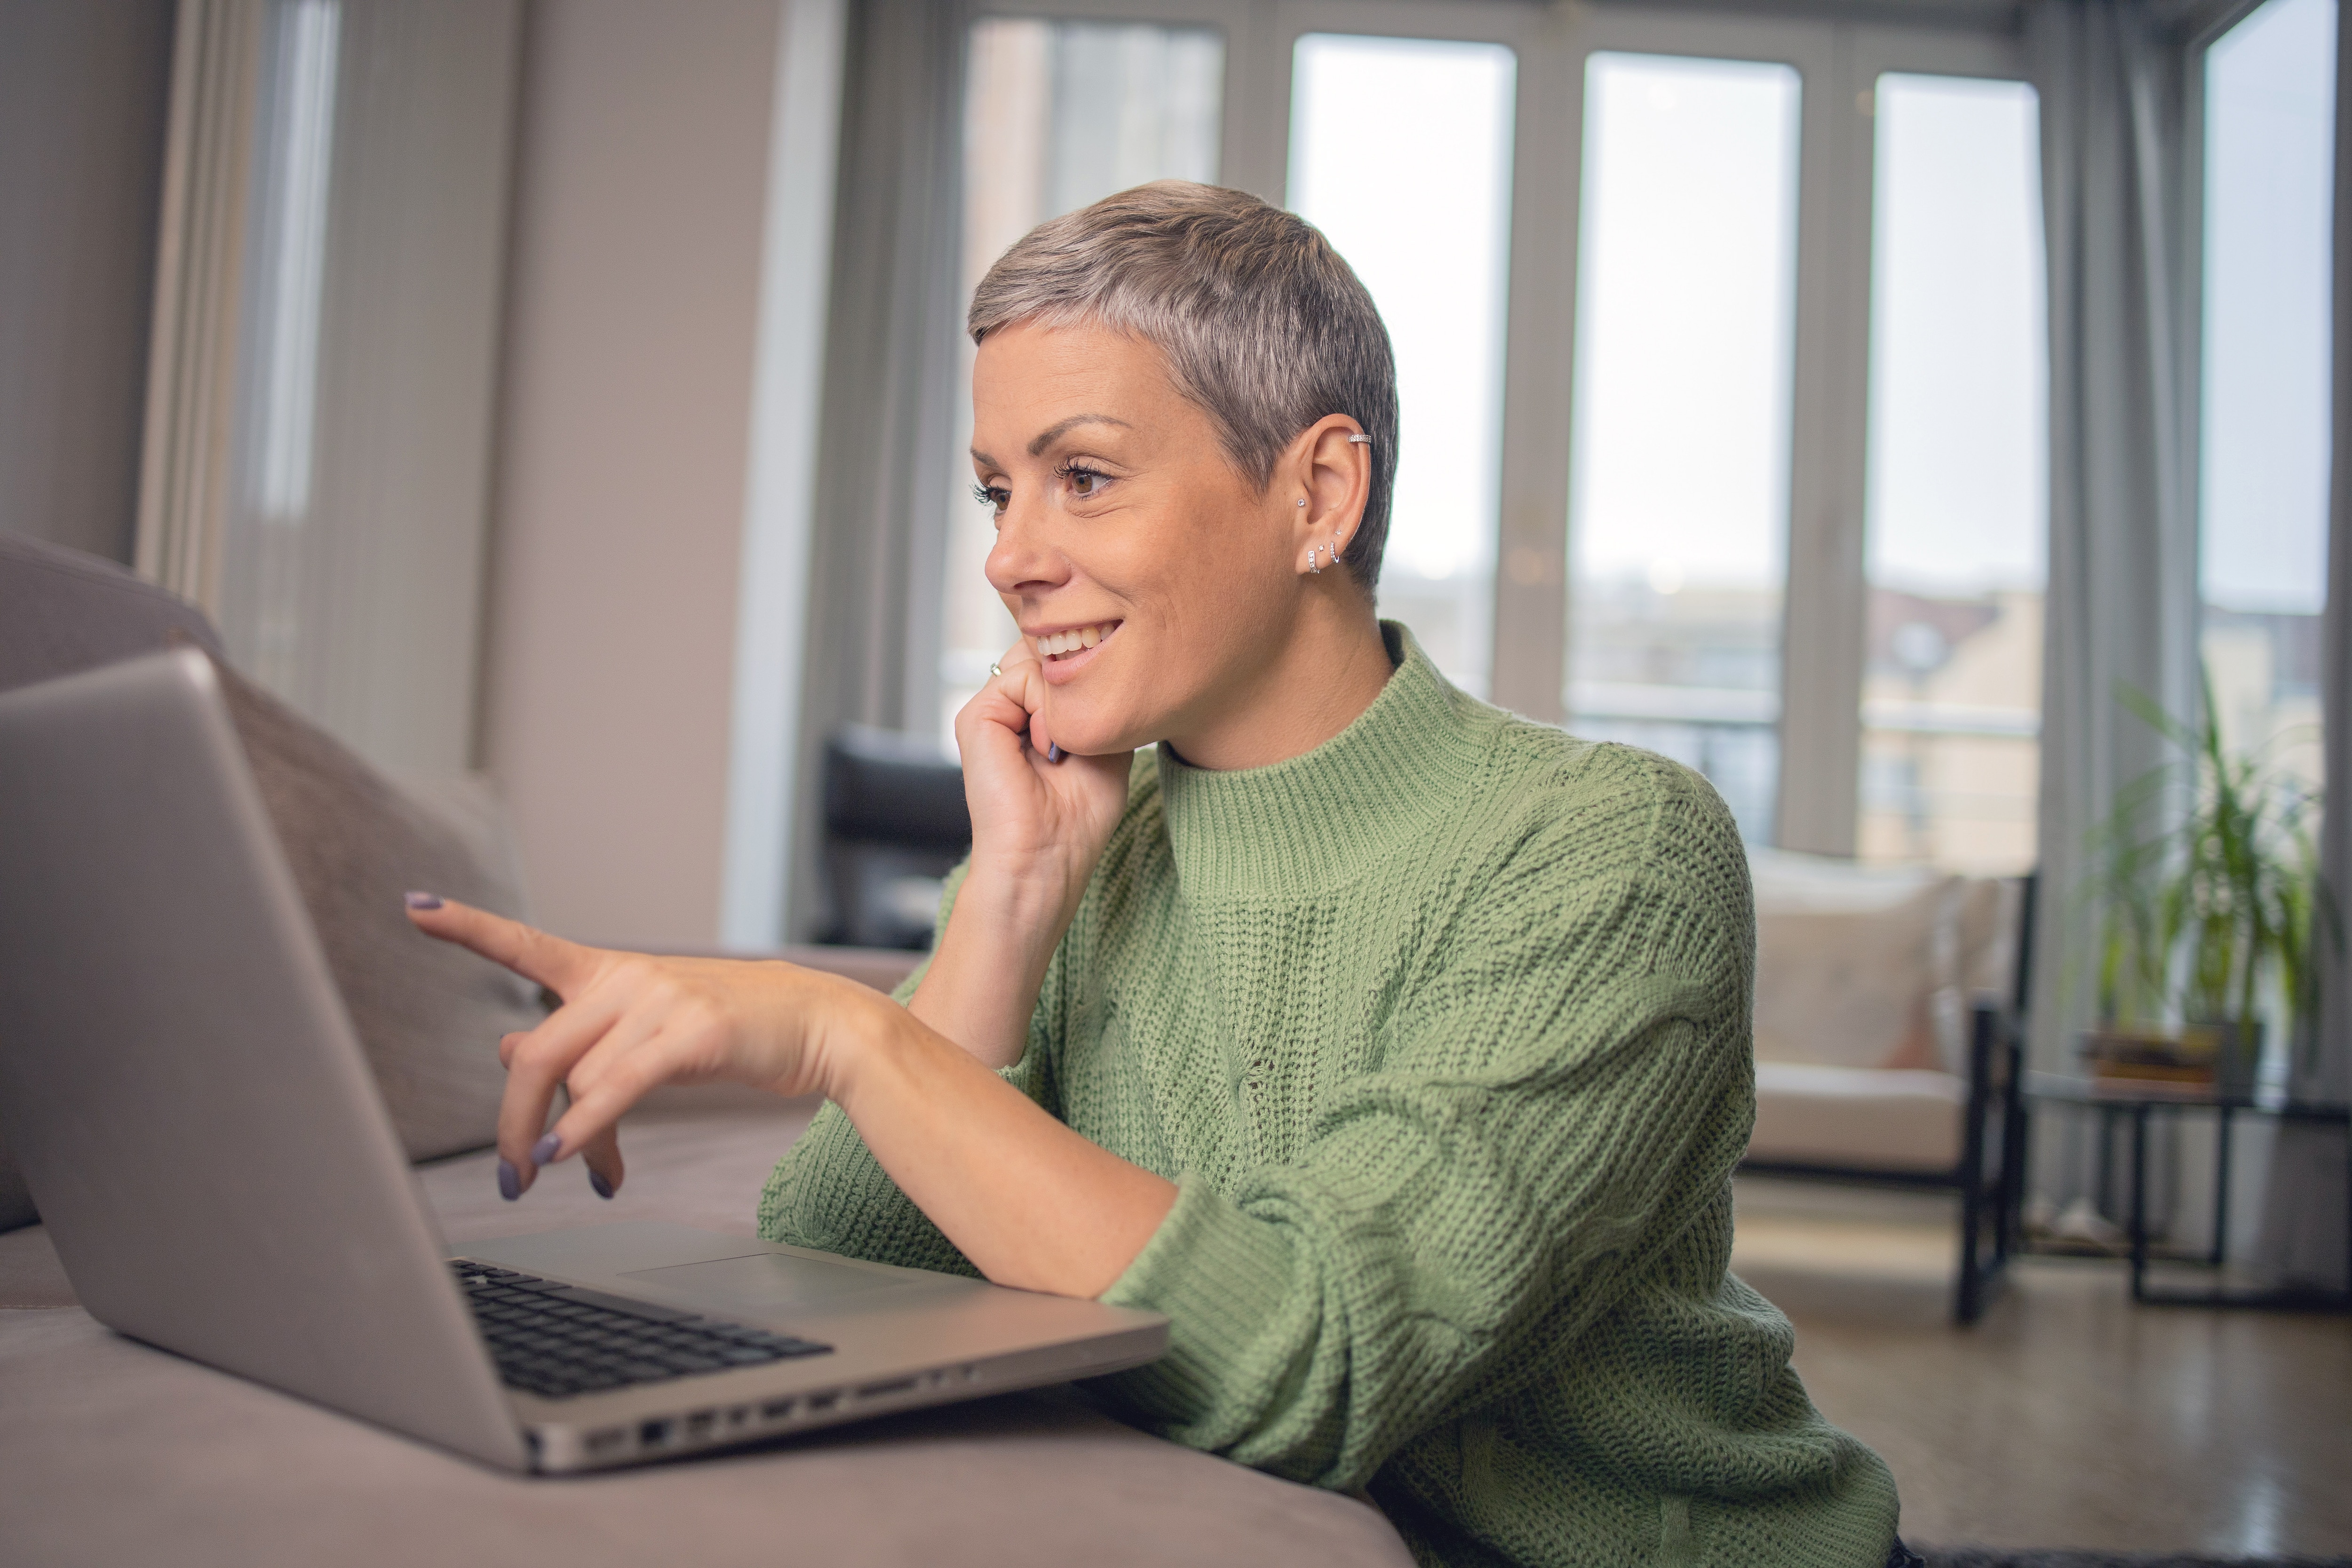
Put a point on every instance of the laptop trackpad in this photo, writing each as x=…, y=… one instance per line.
x=768, y=1282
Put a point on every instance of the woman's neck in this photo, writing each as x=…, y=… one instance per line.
x=1319, y=680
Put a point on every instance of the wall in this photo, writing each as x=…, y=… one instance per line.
x=83, y=94
x=632, y=317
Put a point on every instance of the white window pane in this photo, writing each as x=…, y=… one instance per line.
x=1679, y=495
x=1420, y=205
x=2269, y=172
x=1057, y=115
x=1958, y=512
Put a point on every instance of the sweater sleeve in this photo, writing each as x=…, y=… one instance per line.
x=1565, y=1089
x=829, y=1191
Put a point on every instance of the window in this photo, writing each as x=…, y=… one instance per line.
x=1679, y=508
x=1958, y=506
x=2270, y=126
x=1439, y=280
x=1735, y=367
x=1057, y=115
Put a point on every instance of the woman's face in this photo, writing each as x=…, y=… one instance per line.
x=1164, y=580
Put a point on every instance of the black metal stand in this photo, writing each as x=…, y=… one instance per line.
x=2140, y=1108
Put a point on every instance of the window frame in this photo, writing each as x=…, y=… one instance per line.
x=1825, y=604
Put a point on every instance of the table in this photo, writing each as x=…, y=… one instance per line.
x=2142, y=1104
x=113, y=1452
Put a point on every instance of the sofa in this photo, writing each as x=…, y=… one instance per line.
x=112, y=1451
x=1886, y=1040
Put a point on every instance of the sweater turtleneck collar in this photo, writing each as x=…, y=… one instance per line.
x=1323, y=816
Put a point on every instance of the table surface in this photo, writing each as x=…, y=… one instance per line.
x=2156, y=1091
x=112, y=1452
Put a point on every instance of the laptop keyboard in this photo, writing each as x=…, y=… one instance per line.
x=556, y=1339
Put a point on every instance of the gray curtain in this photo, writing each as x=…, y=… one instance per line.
x=2304, y=1218
x=884, y=474
x=2122, y=606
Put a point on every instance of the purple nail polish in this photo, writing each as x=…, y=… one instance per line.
x=1053, y=752
x=421, y=900
x=543, y=1151
x=603, y=1188
x=510, y=1181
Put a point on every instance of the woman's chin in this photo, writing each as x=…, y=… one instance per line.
x=1084, y=730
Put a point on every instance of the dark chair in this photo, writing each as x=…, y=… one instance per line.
x=895, y=824
x=1990, y=1174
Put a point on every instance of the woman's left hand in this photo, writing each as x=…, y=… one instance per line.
x=631, y=1022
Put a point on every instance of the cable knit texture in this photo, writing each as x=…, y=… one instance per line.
x=1442, y=1030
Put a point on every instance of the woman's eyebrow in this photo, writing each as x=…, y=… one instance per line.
x=1061, y=428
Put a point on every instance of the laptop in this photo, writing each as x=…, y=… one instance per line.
x=184, y=1090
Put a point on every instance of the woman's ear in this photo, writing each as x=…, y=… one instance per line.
x=1331, y=465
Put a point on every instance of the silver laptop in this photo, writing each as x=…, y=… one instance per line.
x=181, y=1085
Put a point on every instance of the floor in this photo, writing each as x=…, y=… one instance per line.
x=2067, y=1417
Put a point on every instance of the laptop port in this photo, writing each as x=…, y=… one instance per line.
x=607, y=1440
x=740, y=1415
x=700, y=1425
x=882, y=1390
x=653, y=1434
x=776, y=1409
x=822, y=1402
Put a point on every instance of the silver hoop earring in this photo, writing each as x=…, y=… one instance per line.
x=1311, y=566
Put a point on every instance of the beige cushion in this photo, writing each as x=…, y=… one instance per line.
x=429, y=1014
x=1869, y=1118
x=1849, y=960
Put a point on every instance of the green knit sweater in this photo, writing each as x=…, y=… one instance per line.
x=1442, y=1030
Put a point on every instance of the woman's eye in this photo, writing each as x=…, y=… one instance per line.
x=1085, y=484
x=996, y=497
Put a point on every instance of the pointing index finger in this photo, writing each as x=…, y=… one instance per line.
x=561, y=966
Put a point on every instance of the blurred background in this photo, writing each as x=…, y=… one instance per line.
x=1852, y=399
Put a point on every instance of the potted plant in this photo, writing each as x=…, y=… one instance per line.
x=2207, y=875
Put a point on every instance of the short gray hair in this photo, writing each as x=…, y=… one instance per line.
x=1264, y=326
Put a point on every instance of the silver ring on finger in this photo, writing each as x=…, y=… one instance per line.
x=996, y=669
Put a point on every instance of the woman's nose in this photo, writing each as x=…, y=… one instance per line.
x=1023, y=559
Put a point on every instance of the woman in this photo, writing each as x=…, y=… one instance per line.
x=1395, y=1049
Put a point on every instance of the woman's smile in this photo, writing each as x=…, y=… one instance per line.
x=1065, y=650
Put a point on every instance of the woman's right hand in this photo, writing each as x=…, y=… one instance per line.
x=1037, y=823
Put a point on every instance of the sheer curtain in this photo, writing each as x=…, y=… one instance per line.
x=2123, y=547
x=2123, y=531
x=881, y=501
x=316, y=464
x=2304, y=1218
